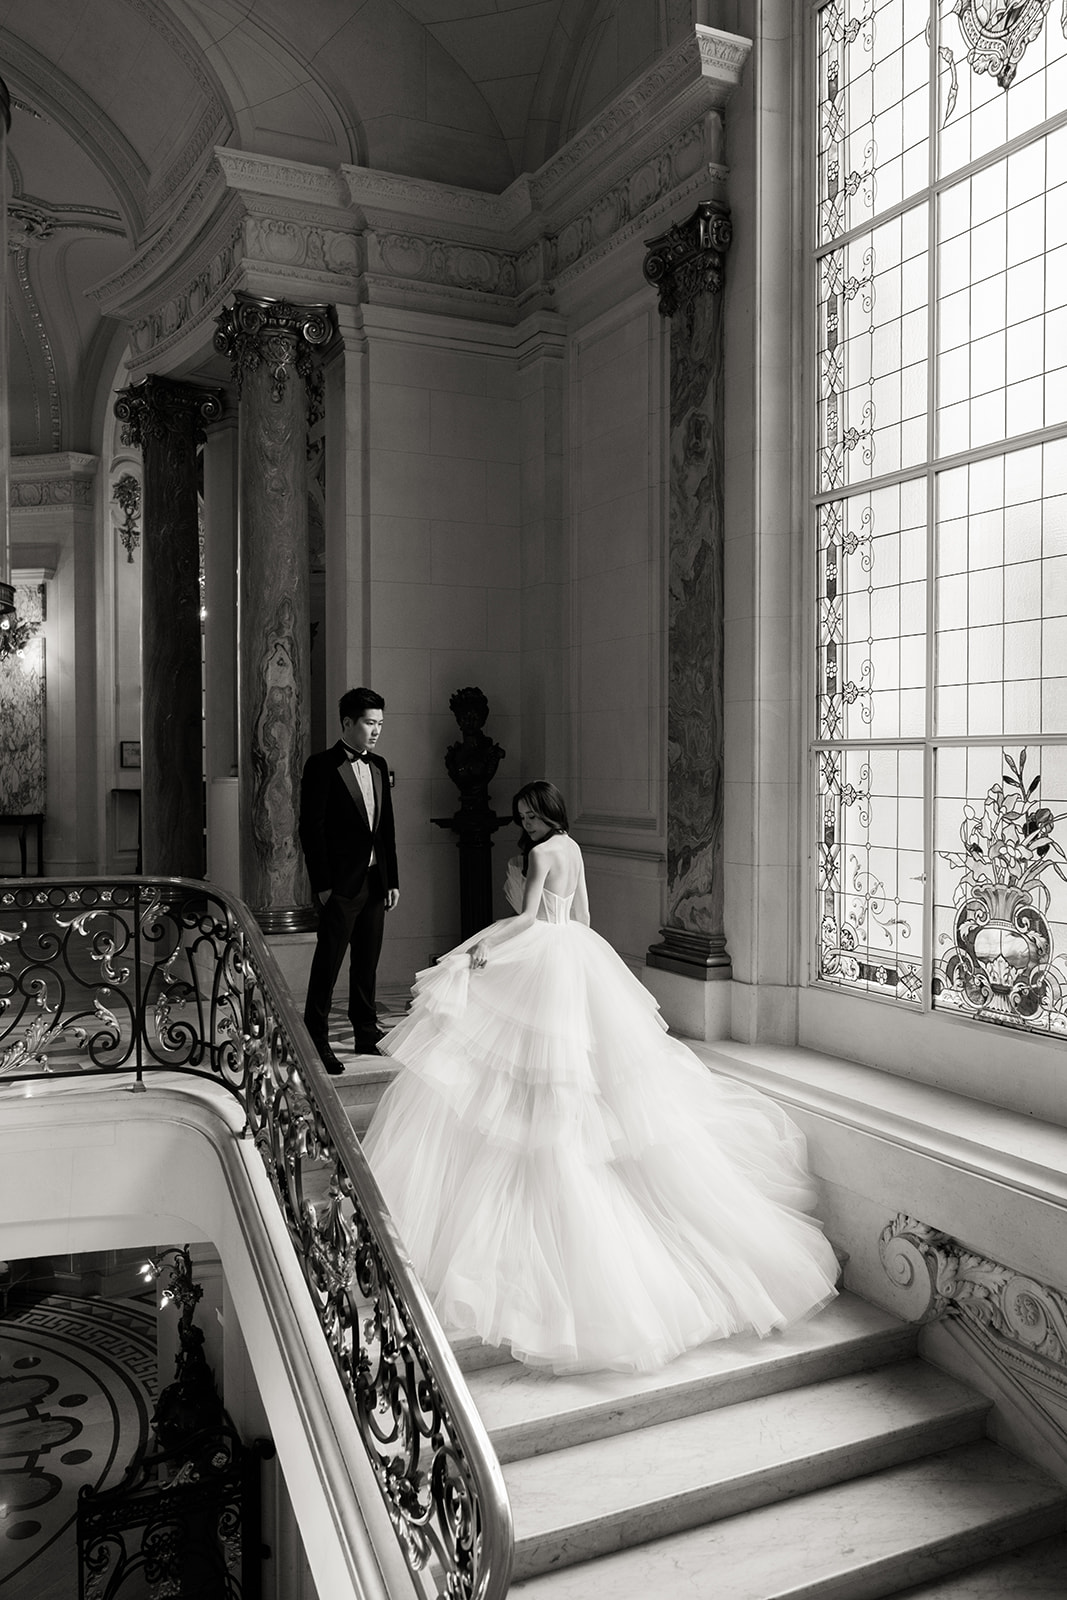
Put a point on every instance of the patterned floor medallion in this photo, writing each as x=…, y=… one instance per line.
x=77, y=1385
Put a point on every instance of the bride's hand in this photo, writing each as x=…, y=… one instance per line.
x=478, y=957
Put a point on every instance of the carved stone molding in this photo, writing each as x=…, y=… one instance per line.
x=144, y=270
x=687, y=260
x=257, y=332
x=45, y=483
x=289, y=230
x=27, y=319
x=159, y=407
x=30, y=222
x=260, y=175
x=946, y=1279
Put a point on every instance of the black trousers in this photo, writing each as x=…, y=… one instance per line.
x=356, y=925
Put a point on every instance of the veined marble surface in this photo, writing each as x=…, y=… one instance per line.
x=854, y=1541
x=527, y=1412
x=609, y=1494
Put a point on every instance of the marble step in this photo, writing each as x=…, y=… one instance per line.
x=527, y=1412
x=590, y=1499
x=863, y=1539
x=1037, y=1572
x=362, y=1084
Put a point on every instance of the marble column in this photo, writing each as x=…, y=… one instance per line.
x=165, y=420
x=272, y=345
x=685, y=265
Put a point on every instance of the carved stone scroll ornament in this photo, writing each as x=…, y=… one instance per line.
x=254, y=332
x=947, y=1280
x=687, y=260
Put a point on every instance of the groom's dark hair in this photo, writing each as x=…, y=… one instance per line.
x=354, y=702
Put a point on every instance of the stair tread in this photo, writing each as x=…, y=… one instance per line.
x=918, y=1520
x=1039, y=1570
x=527, y=1410
x=787, y=1441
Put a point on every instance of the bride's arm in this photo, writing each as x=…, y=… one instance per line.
x=536, y=873
x=580, y=903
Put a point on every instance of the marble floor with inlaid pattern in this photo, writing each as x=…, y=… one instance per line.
x=77, y=1388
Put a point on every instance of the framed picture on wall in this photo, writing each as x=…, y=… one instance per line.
x=129, y=752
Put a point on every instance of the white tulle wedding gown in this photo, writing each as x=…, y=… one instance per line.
x=573, y=1183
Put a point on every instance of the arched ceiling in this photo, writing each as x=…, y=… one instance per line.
x=118, y=105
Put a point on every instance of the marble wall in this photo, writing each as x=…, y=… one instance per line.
x=616, y=526
x=443, y=594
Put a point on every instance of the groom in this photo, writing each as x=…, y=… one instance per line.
x=349, y=845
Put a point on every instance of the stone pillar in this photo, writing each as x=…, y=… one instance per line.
x=686, y=266
x=220, y=651
x=166, y=421
x=272, y=345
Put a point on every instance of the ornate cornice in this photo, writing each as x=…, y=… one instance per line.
x=286, y=229
x=130, y=288
x=159, y=407
x=50, y=482
x=252, y=174
x=699, y=75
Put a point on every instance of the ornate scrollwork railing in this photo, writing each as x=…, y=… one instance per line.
x=160, y=976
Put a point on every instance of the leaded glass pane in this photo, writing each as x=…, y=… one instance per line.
x=873, y=110
x=1001, y=595
x=870, y=854
x=1002, y=307
x=1000, y=885
x=872, y=614
x=1002, y=71
x=872, y=352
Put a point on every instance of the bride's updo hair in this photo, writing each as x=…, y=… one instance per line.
x=545, y=800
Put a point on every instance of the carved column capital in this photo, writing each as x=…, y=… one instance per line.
x=688, y=259
x=161, y=407
x=278, y=334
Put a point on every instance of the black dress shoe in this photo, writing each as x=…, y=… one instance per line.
x=368, y=1048
x=331, y=1062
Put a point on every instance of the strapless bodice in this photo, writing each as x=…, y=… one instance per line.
x=554, y=908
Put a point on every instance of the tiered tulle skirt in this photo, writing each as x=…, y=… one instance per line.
x=570, y=1181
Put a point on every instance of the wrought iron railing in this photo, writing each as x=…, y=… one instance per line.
x=142, y=977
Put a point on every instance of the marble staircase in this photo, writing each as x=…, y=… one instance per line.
x=827, y=1462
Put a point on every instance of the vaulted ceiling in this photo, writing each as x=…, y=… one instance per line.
x=117, y=106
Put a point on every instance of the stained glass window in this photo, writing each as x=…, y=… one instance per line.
x=940, y=506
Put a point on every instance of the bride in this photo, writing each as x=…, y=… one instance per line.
x=568, y=1180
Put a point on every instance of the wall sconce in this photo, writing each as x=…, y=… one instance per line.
x=127, y=492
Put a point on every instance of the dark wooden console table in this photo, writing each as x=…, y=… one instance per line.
x=23, y=821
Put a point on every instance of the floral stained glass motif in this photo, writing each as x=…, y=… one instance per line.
x=872, y=614
x=873, y=143
x=1002, y=298
x=1001, y=592
x=873, y=319
x=870, y=868
x=1002, y=71
x=1001, y=886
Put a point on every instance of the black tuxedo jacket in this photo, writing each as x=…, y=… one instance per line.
x=336, y=835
